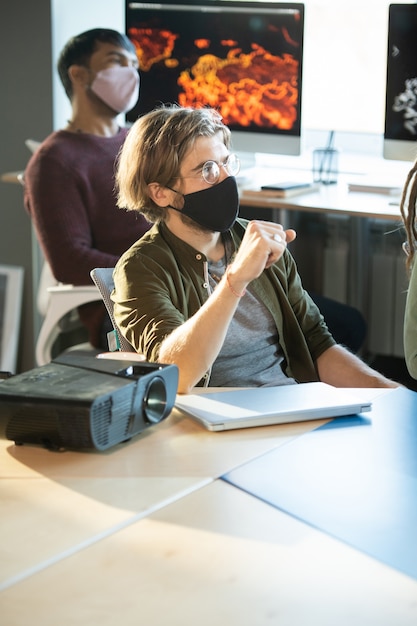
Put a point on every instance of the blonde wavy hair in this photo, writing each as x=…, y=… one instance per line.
x=153, y=152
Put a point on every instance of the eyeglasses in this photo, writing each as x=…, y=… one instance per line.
x=210, y=172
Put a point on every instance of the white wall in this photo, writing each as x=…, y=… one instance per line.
x=69, y=18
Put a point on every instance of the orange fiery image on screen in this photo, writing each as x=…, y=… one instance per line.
x=255, y=88
x=152, y=46
x=246, y=88
x=202, y=43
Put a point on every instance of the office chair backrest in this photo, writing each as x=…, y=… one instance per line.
x=103, y=278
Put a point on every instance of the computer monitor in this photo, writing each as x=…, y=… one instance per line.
x=243, y=58
x=400, y=134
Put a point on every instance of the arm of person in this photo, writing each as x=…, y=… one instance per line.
x=339, y=367
x=194, y=345
x=410, y=325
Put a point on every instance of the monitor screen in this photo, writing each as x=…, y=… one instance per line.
x=400, y=135
x=242, y=58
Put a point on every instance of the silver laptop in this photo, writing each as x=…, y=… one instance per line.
x=262, y=406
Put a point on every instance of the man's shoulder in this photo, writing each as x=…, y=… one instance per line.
x=157, y=246
x=56, y=144
x=76, y=151
x=62, y=141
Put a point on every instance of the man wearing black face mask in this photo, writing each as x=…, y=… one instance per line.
x=218, y=296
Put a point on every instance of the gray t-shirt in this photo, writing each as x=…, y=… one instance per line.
x=251, y=355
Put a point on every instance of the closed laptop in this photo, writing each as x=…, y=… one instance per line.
x=262, y=406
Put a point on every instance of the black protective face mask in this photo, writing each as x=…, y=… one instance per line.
x=215, y=208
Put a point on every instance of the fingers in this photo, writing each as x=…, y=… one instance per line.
x=277, y=239
x=262, y=245
x=281, y=236
x=270, y=230
x=291, y=235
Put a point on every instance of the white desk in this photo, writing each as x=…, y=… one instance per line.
x=145, y=534
x=329, y=199
x=57, y=503
x=217, y=556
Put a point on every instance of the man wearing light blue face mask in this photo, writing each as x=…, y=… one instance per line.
x=69, y=181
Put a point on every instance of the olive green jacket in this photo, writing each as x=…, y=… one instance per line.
x=161, y=281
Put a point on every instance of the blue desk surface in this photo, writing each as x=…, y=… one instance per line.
x=353, y=478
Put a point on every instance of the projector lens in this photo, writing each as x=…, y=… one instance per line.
x=155, y=400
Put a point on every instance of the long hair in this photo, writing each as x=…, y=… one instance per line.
x=408, y=213
x=154, y=150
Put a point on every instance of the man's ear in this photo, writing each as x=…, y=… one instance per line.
x=159, y=194
x=78, y=74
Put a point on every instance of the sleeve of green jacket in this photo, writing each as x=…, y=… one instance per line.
x=159, y=284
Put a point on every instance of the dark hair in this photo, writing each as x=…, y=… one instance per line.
x=78, y=51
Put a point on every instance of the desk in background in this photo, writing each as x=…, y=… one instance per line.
x=150, y=533
x=327, y=199
x=12, y=177
x=348, y=248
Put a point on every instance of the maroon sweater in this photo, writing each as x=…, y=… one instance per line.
x=69, y=194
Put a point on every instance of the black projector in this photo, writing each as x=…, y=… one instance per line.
x=84, y=402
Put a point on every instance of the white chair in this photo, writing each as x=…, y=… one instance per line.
x=60, y=314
